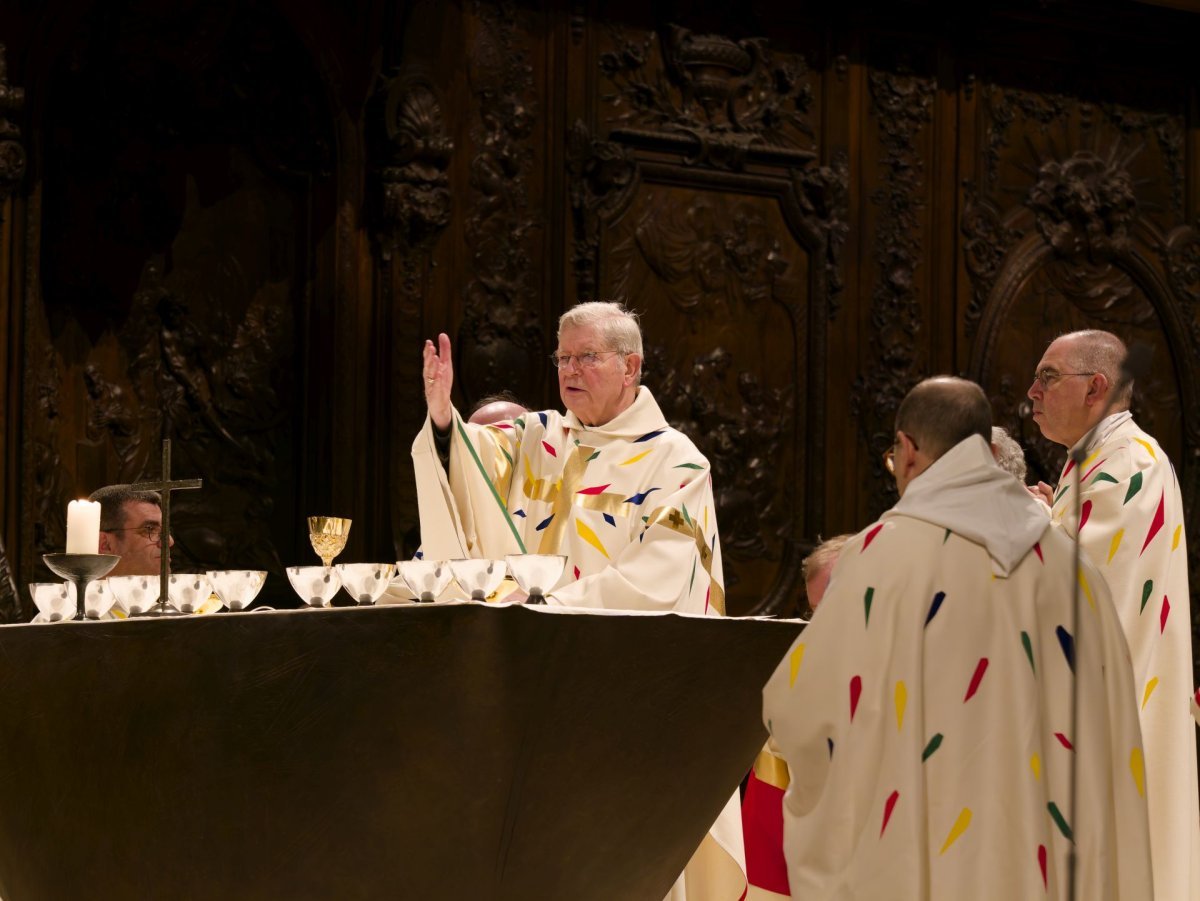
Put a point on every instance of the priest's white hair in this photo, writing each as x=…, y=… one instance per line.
x=616, y=326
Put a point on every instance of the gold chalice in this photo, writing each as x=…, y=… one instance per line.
x=328, y=535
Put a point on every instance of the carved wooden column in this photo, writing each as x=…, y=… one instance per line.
x=12, y=170
x=411, y=200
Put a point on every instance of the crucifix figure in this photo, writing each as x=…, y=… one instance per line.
x=165, y=486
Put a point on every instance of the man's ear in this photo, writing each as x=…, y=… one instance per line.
x=106, y=544
x=1098, y=386
x=633, y=367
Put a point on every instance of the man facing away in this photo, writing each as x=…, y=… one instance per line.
x=955, y=721
x=131, y=527
x=1130, y=525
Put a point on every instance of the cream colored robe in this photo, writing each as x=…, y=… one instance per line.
x=926, y=711
x=1132, y=516
x=629, y=503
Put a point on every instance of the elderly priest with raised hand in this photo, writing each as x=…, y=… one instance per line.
x=609, y=484
x=1130, y=524
x=955, y=720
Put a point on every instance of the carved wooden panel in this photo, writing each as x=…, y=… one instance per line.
x=172, y=299
x=700, y=203
x=1074, y=217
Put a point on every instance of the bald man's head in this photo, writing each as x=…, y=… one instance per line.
x=942, y=411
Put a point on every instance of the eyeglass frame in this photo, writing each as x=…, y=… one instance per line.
x=563, y=361
x=146, y=529
x=889, y=455
x=1054, y=377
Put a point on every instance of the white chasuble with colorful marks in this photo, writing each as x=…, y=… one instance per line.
x=1130, y=525
x=629, y=503
x=926, y=715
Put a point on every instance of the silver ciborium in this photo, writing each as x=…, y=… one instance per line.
x=81, y=569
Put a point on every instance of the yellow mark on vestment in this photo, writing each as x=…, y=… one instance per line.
x=637, y=457
x=960, y=826
x=1137, y=766
x=1035, y=764
x=586, y=533
x=794, y=661
x=1087, y=589
x=1116, y=543
x=1150, y=686
x=1149, y=449
x=901, y=703
x=1177, y=536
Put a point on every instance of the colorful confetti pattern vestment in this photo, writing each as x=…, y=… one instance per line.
x=629, y=503
x=926, y=716
x=1132, y=528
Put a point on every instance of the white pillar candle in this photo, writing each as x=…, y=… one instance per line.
x=83, y=527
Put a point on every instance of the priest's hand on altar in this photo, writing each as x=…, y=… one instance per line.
x=438, y=371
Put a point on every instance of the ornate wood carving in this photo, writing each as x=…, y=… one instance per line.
x=414, y=149
x=602, y=177
x=725, y=101
x=665, y=214
x=413, y=203
x=501, y=331
x=823, y=192
x=901, y=103
x=987, y=242
x=12, y=154
x=10, y=600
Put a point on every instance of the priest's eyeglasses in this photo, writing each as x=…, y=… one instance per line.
x=151, y=531
x=1047, y=377
x=589, y=360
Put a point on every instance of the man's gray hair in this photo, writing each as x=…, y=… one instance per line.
x=1009, y=455
x=1095, y=350
x=617, y=327
x=113, y=499
x=942, y=411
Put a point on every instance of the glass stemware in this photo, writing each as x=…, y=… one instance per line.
x=478, y=578
x=328, y=535
x=536, y=574
x=237, y=588
x=365, y=582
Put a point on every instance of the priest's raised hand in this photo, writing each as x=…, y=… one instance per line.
x=438, y=370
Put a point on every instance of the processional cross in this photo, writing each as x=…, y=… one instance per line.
x=165, y=486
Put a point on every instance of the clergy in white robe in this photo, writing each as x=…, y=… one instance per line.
x=1124, y=504
x=953, y=719
x=609, y=484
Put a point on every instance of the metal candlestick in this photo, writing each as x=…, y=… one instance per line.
x=81, y=569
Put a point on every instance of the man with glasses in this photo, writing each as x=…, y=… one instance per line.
x=1130, y=524
x=131, y=527
x=627, y=499
x=927, y=712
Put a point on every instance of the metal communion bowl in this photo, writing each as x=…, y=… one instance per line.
x=134, y=595
x=237, y=588
x=426, y=579
x=536, y=574
x=478, y=578
x=365, y=582
x=316, y=585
